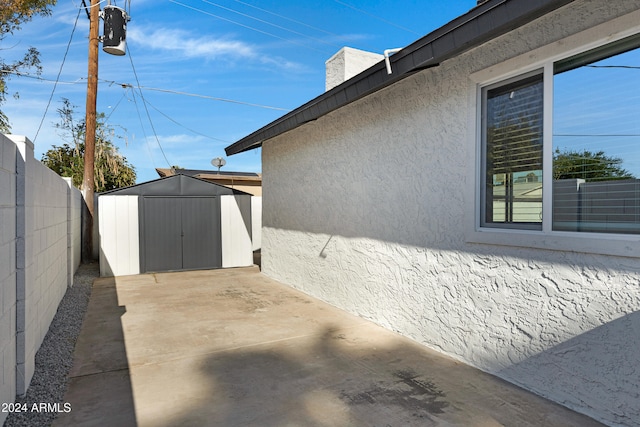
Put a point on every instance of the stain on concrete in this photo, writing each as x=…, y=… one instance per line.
x=256, y=301
x=252, y=300
x=407, y=390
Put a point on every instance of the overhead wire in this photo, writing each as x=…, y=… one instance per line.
x=377, y=17
x=245, y=26
x=139, y=87
x=183, y=126
x=269, y=23
x=629, y=67
x=64, y=58
x=147, y=110
x=175, y=92
x=42, y=79
x=86, y=9
x=288, y=19
x=124, y=95
x=144, y=132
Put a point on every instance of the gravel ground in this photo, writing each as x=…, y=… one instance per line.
x=55, y=356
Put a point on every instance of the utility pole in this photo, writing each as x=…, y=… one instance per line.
x=88, y=186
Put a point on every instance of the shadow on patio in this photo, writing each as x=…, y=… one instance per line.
x=235, y=348
x=99, y=383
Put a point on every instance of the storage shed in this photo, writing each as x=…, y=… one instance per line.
x=171, y=224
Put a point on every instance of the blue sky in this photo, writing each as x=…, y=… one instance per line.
x=211, y=72
x=596, y=108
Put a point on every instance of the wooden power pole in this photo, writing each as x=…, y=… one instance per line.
x=88, y=186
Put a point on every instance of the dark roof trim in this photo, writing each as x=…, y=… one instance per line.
x=193, y=172
x=480, y=25
x=175, y=185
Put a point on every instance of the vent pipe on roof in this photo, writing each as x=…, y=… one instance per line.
x=387, y=53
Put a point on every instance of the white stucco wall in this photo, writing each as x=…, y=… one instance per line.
x=367, y=208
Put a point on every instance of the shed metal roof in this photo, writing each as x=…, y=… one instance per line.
x=198, y=172
x=480, y=25
x=176, y=185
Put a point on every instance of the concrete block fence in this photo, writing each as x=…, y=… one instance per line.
x=40, y=243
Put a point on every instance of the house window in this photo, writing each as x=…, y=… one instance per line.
x=592, y=138
x=596, y=140
x=513, y=153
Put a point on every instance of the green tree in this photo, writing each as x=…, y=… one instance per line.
x=587, y=165
x=13, y=13
x=112, y=170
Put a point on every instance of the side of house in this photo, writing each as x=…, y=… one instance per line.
x=40, y=216
x=395, y=224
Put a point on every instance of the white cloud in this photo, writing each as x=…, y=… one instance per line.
x=182, y=42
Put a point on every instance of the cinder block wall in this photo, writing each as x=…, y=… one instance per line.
x=40, y=216
x=7, y=272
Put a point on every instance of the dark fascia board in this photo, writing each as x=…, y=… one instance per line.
x=476, y=27
x=192, y=172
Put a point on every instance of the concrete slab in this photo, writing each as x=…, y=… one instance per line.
x=234, y=348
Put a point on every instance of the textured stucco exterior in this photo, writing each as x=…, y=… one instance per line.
x=368, y=208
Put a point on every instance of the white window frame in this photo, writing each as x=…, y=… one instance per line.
x=541, y=58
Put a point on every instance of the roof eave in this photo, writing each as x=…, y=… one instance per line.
x=476, y=27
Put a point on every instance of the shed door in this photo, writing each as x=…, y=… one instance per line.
x=180, y=233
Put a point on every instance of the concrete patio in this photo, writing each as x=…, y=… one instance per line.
x=235, y=348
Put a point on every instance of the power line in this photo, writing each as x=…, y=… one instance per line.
x=245, y=26
x=183, y=126
x=630, y=67
x=129, y=85
x=604, y=135
x=124, y=95
x=144, y=133
x=175, y=92
x=84, y=6
x=42, y=79
x=288, y=19
x=58, y=76
x=155, y=134
x=269, y=23
x=376, y=17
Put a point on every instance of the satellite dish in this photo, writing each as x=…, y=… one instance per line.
x=218, y=162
